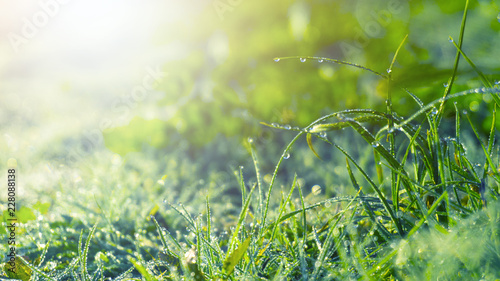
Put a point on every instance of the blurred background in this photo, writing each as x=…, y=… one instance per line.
x=182, y=85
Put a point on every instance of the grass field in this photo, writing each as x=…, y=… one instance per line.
x=358, y=194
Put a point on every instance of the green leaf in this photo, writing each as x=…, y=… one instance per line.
x=233, y=258
x=16, y=269
x=309, y=143
x=43, y=208
x=142, y=270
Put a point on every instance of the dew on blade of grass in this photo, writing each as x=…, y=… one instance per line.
x=445, y=85
x=276, y=59
x=464, y=112
x=322, y=134
x=276, y=125
x=250, y=140
x=320, y=60
x=287, y=127
x=302, y=60
x=375, y=144
x=287, y=156
x=434, y=111
x=497, y=82
x=389, y=70
x=450, y=40
x=316, y=189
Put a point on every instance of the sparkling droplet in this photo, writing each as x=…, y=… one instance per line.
x=464, y=112
x=302, y=60
x=287, y=127
x=277, y=59
x=445, y=85
x=322, y=134
x=389, y=70
x=497, y=82
x=250, y=140
x=434, y=111
x=450, y=40
x=316, y=189
x=375, y=144
x=275, y=125
x=320, y=60
x=287, y=156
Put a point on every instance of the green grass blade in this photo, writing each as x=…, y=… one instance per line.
x=142, y=269
x=243, y=215
x=234, y=258
x=285, y=152
x=332, y=61
x=257, y=175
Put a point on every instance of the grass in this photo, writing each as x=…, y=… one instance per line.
x=422, y=208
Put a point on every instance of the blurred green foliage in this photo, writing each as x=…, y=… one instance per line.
x=228, y=81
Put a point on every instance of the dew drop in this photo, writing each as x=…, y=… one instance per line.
x=241, y=167
x=322, y=134
x=287, y=156
x=464, y=112
x=277, y=59
x=389, y=70
x=250, y=140
x=287, y=127
x=445, y=85
x=497, y=82
x=276, y=125
x=302, y=60
x=320, y=60
x=375, y=144
x=450, y=40
x=316, y=189
x=434, y=111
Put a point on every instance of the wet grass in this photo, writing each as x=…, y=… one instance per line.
x=425, y=207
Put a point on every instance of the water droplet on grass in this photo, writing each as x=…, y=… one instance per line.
x=497, y=82
x=464, y=112
x=450, y=40
x=316, y=189
x=389, y=70
x=320, y=60
x=445, y=85
x=250, y=140
x=287, y=127
x=277, y=59
x=322, y=134
x=375, y=144
x=302, y=60
x=287, y=156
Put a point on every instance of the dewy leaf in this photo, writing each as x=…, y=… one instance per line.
x=233, y=258
x=309, y=143
x=16, y=269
